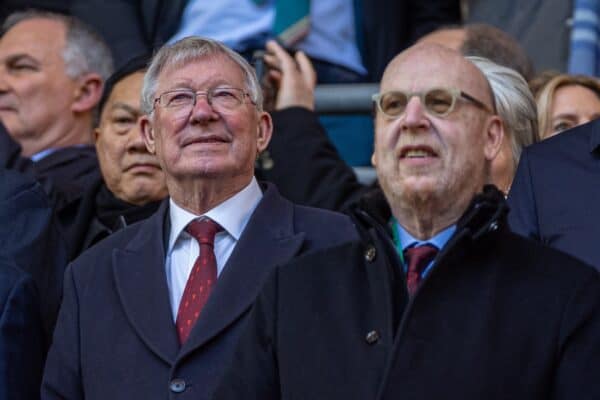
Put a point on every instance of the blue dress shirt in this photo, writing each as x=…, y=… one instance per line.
x=405, y=240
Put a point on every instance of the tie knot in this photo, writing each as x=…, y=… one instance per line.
x=419, y=257
x=204, y=230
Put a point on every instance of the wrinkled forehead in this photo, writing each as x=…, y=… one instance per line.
x=200, y=70
x=427, y=66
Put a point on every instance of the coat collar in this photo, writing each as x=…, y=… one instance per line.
x=269, y=239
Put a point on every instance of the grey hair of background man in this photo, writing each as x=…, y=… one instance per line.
x=84, y=52
x=191, y=49
x=514, y=103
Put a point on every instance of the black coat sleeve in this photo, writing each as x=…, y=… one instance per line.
x=21, y=335
x=304, y=164
x=62, y=374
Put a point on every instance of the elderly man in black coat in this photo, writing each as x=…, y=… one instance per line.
x=438, y=299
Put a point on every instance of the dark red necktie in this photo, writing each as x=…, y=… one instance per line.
x=417, y=259
x=202, y=278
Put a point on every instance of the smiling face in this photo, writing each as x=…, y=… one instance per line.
x=425, y=161
x=572, y=105
x=130, y=172
x=36, y=95
x=206, y=143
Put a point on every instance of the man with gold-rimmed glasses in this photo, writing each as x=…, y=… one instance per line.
x=154, y=311
x=438, y=299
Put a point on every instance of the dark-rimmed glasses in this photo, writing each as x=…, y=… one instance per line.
x=437, y=101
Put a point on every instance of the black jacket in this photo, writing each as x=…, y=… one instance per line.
x=497, y=318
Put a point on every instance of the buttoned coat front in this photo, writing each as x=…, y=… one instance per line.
x=116, y=339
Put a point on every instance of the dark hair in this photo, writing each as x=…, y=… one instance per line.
x=135, y=64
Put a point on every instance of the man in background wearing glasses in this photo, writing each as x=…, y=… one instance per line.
x=154, y=311
x=439, y=299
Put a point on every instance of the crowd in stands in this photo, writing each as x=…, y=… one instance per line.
x=177, y=222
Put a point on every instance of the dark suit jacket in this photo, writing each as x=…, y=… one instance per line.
x=496, y=318
x=63, y=174
x=21, y=339
x=385, y=27
x=554, y=197
x=29, y=238
x=115, y=336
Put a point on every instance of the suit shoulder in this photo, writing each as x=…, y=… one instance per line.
x=330, y=227
x=573, y=141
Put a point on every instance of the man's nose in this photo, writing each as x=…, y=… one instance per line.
x=202, y=110
x=415, y=116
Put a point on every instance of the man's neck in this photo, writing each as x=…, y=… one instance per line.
x=425, y=219
x=57, y=137
x=199, y=196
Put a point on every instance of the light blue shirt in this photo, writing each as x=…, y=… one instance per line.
x=39, y=155
x=243, y=24
x=407, y=240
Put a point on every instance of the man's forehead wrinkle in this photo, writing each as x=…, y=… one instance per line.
x=172, y=76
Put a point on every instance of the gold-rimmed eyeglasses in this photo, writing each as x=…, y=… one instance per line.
x=219, y=98
x=437, y=101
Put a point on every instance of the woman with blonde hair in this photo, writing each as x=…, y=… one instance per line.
x=566, y=101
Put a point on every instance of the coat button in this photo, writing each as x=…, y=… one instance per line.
x=177, y=385
x=372, y=337
x=370, y=253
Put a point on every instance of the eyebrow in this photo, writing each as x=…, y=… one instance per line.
x=126, y=107
x=18, y=57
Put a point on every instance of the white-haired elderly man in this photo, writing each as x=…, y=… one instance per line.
x=155, y=310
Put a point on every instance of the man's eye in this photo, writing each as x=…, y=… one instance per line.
x=178, y=99
x=123, y=120
x=224, y=93
x=23, y=67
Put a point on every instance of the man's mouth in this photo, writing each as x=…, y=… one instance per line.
x=417, y=152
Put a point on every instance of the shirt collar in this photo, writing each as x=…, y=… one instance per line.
x=439, y=240
x=233, y=214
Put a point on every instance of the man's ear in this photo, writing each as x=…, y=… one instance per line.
x=96, y=134
x=265, y=131
x=147, y=132
x=87, y=92
x=493, y=138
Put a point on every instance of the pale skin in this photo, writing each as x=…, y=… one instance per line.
x=208, y=156
x=431, y=167
x=572, y=105
x=40, y=105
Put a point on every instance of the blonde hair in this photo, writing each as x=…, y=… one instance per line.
x=545, y=97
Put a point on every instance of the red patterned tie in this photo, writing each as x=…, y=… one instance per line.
x=202, y=278
x=417, y=258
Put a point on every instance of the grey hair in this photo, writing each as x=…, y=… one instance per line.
x=84, y=51
x=190, y=49
x=514, y=103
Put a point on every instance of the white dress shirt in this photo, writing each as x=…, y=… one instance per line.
x=182, y=251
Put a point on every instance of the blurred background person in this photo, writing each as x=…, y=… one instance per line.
x=52, y=70
x=566, y=101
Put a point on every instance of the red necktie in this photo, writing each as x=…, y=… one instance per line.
x=202, y=278
x=417, y=258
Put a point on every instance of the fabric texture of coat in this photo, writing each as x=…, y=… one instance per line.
x=115, y=337
x=496, y=318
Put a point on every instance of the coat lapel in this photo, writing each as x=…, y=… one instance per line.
x=140, y=280
x=267, y=241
